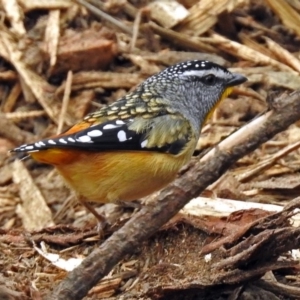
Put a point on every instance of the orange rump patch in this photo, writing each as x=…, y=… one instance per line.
x=55, y=156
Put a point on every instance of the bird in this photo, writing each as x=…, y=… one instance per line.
x=136, y=145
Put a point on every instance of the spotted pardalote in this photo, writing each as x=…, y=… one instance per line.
x=136, y=145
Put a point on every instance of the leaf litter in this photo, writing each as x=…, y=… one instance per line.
x=243, y=252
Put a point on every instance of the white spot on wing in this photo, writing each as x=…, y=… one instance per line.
x=144, y=143
x=122, y=136
x=37, y=145
x=120, y=122
x=70, y=139
x=61, y=140
x=85, y=139
x=29, y=147
x=95, y=133
x=109, y=126
x=51, y=142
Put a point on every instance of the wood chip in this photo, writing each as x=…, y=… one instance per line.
x=13, y=133
x=80, y=104
x=285, y=56
x=251, y=43
x=64, y=264
x=15, y=15
x=87, y=80
x=204, y=15
x=202, y=206
x=169, y=57
x=167, y=13
x=38, y=86
x=12, y=98
x=288, y=15
x=107, y=286
x=52, y=36
x=288, y=181
x=267, y=163
x=247, y=53
x=145, y=66
x=33, y=210
x=261, y=75
x=219, y=207
x=19, y=115
x=8, y=75
x=86, y=50
x=185, y=40
x=29, y=5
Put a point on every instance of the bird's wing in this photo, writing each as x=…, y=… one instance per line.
x=165, y=133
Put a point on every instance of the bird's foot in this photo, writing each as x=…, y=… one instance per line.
x=102, y=222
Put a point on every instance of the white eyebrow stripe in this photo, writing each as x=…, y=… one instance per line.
x=201, y=73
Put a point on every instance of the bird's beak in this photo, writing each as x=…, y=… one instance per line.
x=236, y=79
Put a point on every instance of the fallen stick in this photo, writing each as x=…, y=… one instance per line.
x=285, y=111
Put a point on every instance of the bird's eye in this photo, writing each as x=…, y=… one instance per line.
x=209, y=79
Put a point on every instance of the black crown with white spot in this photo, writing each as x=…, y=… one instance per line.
x=186, y=68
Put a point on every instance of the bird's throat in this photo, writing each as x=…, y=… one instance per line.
x=225, y=94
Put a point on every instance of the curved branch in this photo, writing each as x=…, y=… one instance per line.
x=170, y=200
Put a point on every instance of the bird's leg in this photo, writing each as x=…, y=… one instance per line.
x=100, y=218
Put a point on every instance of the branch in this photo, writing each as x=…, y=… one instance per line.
x=170, y=200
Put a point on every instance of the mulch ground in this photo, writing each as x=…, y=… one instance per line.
x=60, y=59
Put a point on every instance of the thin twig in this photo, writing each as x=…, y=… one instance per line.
x=20, y=115
x=98, y=12
x=136, y=27
x=65, y=102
